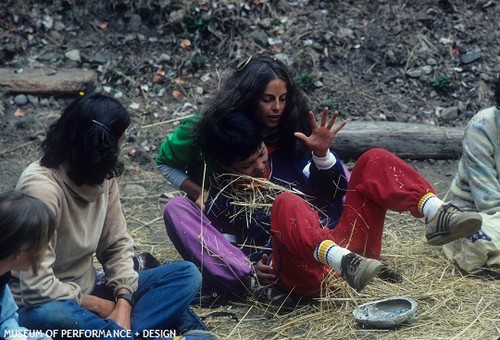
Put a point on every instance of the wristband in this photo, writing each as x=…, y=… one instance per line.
x=127, y=297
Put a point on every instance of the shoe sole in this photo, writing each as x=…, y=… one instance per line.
x=464, y=229
x=371, y=272
x=390, y=275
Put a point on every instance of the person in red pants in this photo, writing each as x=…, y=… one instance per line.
x=321, y=221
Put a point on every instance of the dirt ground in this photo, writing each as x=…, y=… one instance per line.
x=424, y=62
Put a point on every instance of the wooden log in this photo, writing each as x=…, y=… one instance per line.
x=47, y=81
x=407, y=140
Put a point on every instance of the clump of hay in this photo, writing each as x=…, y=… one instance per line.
x=251, y=194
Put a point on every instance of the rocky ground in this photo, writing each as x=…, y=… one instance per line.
x=431, y=62
x=427, y=62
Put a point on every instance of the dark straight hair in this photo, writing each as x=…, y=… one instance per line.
x=86, y=137
x=26, y=223
x=228, y=138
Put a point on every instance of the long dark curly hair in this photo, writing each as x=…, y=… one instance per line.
x=86, y=138
x=240, y=91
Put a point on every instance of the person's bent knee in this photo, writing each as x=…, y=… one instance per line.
x=287, y=200
x=172, y=209
x=192, y=272
x=286, y=197
x=174, y=204
x=375, y=152
x=183, y=270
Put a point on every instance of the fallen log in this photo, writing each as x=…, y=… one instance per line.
x=44, y=81
x=407, y=140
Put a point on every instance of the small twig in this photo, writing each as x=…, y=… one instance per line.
x=239, y=322
x=166, y=121
x=144, y=224
x=16, y=147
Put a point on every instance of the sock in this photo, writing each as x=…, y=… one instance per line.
x=429, y=204
x=331, y=254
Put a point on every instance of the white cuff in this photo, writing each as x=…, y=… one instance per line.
x=325, y=162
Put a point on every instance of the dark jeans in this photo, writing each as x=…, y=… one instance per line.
x=161, y=302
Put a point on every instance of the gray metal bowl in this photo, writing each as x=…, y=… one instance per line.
x=386, y=313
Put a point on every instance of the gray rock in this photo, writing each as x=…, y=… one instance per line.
x=403, y=107
x=414, y=72
x=427, y=69
x=134, y=190
x=344, y=32
x=20, y=100
x=260, y=37
x=33, y=99
x=73, y=55
x=135, y=23
x=419, y=71
x=431, y=61
x=449, y=114
x=59, y=26
x=471, y=56
x=274, y=41
x=99, y=58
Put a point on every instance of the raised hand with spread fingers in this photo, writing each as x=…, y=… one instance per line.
x=323, y=134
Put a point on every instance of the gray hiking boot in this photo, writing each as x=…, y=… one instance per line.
x=358, y=271
x=450, y=223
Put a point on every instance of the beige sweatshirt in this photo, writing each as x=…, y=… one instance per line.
x=89, y=220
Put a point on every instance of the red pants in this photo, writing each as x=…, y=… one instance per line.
x=379, y=181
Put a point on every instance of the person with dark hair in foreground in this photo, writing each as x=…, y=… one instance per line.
x=291, y=241
x=76, y=178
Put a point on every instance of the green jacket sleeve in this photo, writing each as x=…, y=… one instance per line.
x=178, y=149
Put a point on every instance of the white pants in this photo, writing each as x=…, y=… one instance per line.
x=480, y=249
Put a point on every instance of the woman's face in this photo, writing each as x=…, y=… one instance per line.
x=271, y=103
x=255, y=165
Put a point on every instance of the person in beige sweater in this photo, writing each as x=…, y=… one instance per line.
x=76, y=179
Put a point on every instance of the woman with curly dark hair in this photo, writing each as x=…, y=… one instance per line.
x=261, y=86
